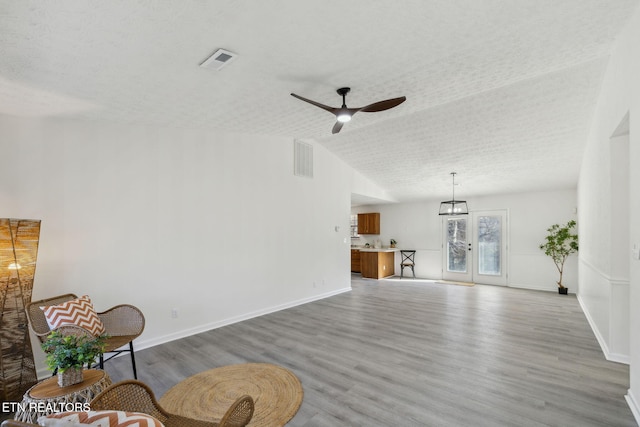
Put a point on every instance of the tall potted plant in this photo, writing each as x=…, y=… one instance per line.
x=561, y=241
x=66, y=354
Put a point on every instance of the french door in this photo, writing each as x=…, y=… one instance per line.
x=475, y=247
x=457, y=261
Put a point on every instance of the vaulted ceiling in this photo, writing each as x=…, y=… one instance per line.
x=500, y=91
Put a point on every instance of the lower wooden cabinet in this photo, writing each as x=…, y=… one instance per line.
x=376, y=265
x=355, y=261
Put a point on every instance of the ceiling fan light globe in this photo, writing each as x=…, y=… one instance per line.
x=344, y=117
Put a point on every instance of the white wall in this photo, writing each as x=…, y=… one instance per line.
x=214, y=225
x=360, y=185
x=418, y=226
x=610, y=300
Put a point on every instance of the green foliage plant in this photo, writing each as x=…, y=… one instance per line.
x=67, y=351
x=561, y=241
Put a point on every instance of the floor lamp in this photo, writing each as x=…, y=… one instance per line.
x=18, y=253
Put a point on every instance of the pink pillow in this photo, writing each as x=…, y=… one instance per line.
x=78, y=312
x=99, y=418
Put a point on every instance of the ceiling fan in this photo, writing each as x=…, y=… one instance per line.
x=344, y=114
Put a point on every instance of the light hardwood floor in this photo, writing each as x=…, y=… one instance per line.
x=417, y=353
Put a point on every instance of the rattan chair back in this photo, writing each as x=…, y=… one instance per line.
x=16, y=423
x=35, y=315
x=135, y=396
x=130, y=396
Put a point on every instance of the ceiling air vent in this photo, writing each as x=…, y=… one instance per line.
x=302, y=159
x=219, y=59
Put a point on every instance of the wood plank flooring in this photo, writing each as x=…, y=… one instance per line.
x=417, y=353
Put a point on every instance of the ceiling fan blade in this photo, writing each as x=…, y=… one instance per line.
x=317, y=104
x=383, y=105
x=337, y=127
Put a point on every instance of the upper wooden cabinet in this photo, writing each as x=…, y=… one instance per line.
x=369, y=223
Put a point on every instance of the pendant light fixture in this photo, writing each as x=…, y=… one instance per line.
x=453, y=206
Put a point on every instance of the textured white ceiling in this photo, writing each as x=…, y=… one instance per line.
x=500, y=91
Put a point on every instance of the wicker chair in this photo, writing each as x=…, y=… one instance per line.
x=123, y=324
x=16, y=423
x=135, y=396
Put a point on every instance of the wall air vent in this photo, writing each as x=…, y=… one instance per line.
x=302, y=159
x=219, y=59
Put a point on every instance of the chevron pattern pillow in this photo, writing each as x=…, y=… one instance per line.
x=99, y=418
x=78, y=312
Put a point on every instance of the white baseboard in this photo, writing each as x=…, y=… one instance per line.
x=537, y=288
x=612, y=357
x=141, y=345
x=633, y=405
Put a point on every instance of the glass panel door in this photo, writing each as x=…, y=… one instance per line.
x=489, y=237
x=457, y=253
x=491, y=248
x=475, y=248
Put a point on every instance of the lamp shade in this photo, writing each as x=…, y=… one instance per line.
x=454, y=207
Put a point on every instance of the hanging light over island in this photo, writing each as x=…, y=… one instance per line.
x=453, y=206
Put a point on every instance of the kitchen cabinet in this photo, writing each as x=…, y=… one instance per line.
x=369, y=223
x=377, y=264
x=355, y=261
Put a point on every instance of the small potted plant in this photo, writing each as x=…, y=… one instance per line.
x=559, y=244
x=67, y=353
x=393, y=243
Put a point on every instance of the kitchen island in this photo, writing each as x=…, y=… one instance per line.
x=377, y=263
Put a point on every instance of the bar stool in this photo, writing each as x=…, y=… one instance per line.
x=408, y=260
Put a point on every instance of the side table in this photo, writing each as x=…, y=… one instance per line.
x=47, y=397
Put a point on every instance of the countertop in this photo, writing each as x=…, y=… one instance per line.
x=372, y=249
